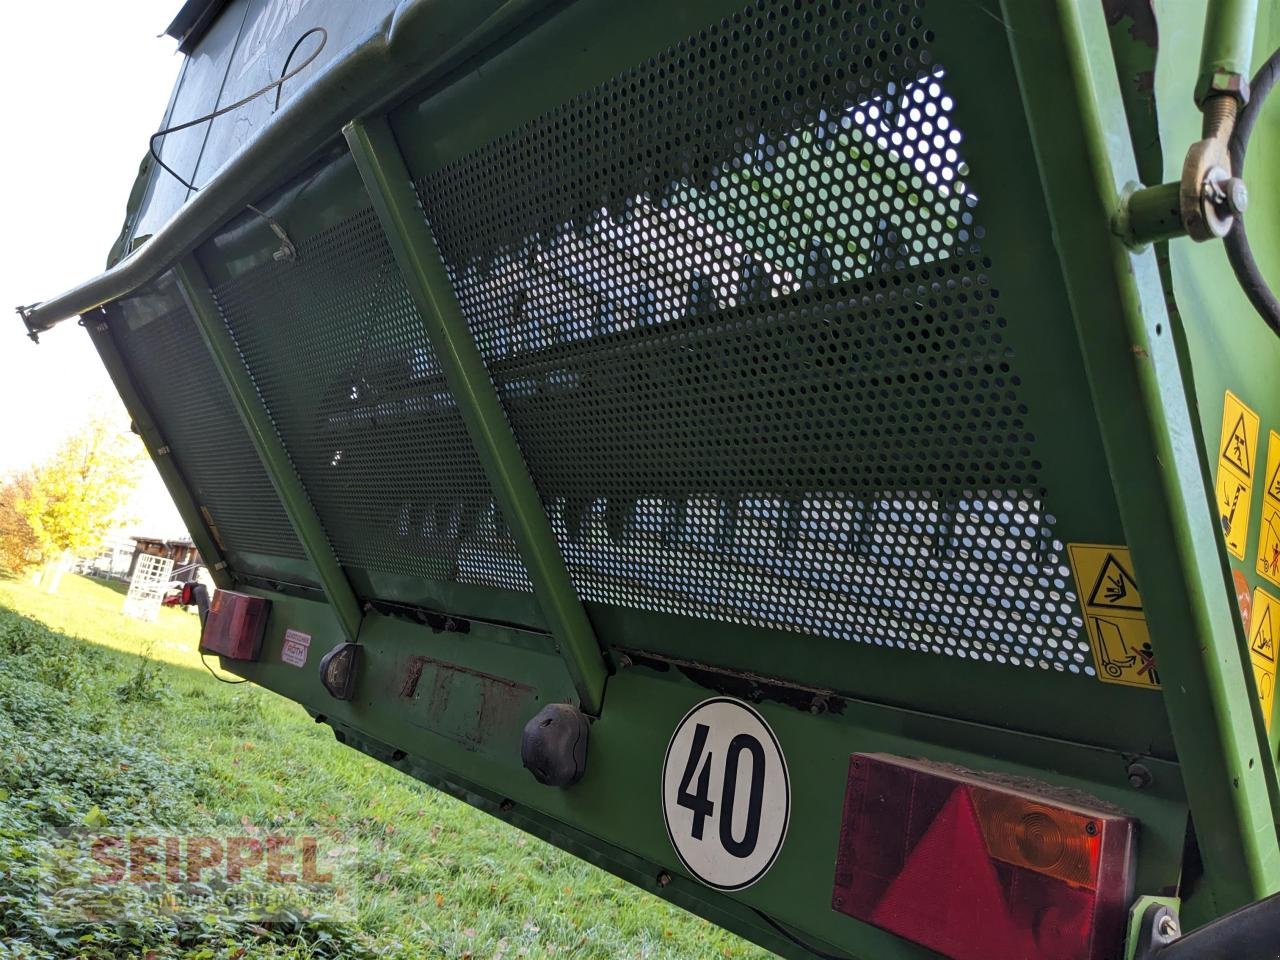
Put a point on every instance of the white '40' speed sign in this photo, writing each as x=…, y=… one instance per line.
x=726, y=794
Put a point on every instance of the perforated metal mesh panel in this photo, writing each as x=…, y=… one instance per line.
x=186, y=396
x=738, y=307
x=340, y=356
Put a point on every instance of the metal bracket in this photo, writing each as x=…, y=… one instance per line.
x=1204, y=203
x=25, y=314
x=1153, y=925
x=287, y=252
x=1209, y=195
x=1250, y=933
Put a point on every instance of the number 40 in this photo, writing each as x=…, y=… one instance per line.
x=701, y=804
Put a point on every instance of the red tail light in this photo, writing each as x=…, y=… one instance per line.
x=981, y=870
x=235, y=626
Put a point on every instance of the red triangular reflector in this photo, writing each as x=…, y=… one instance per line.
x=948, y=896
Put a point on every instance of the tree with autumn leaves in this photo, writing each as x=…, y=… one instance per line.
x=62, y=508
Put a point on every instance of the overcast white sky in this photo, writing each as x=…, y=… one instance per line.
x=82, y=86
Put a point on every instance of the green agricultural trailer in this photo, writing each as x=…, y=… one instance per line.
x=817, y=459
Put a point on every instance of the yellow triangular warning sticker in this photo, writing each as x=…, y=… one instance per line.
x=1236, y=450
x=1263, y=639
x=1115, y=588
x=1237, y=456
x=1269, y=543
x=1112, y=606
x=1262, y=649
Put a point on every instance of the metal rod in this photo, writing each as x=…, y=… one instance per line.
x=98, y=324
x=275, y=458
x=415, y=43
x=390, y=187
x=1135, y=367
x=1227, y=49
x=1150, y=214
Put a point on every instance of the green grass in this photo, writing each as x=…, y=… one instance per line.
x=110, y=723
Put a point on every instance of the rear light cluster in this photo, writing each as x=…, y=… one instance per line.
x=235, y=626
x=981, y=870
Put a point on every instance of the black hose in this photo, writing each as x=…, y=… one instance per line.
x=1239, y=253
x=792, y=938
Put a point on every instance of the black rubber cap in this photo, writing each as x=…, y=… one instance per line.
x=554, y=745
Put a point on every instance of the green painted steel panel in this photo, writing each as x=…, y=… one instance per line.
x=180, y=386
x=812, y=331
x=804, y=370
x=613, y=817
x=337, y=352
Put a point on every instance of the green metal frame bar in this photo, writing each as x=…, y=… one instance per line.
x=390, y=188
x=1136, y=367
x=99, y=329
x=262, y=431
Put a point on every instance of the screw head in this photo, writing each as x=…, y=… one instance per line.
x=1168, y=926
x=664, y=878
x=1237, y=195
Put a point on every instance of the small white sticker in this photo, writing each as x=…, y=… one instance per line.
x=726, y=794
x=296, y=645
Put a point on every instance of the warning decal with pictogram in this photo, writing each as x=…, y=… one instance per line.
x=1237, y=456
x=1262, y=648
x=1263, y=643
x=1115, y=587
x=1273, y=465
x=1234, y=499
x=1268, y=563
x=1113, y=615
x=1236, y=450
